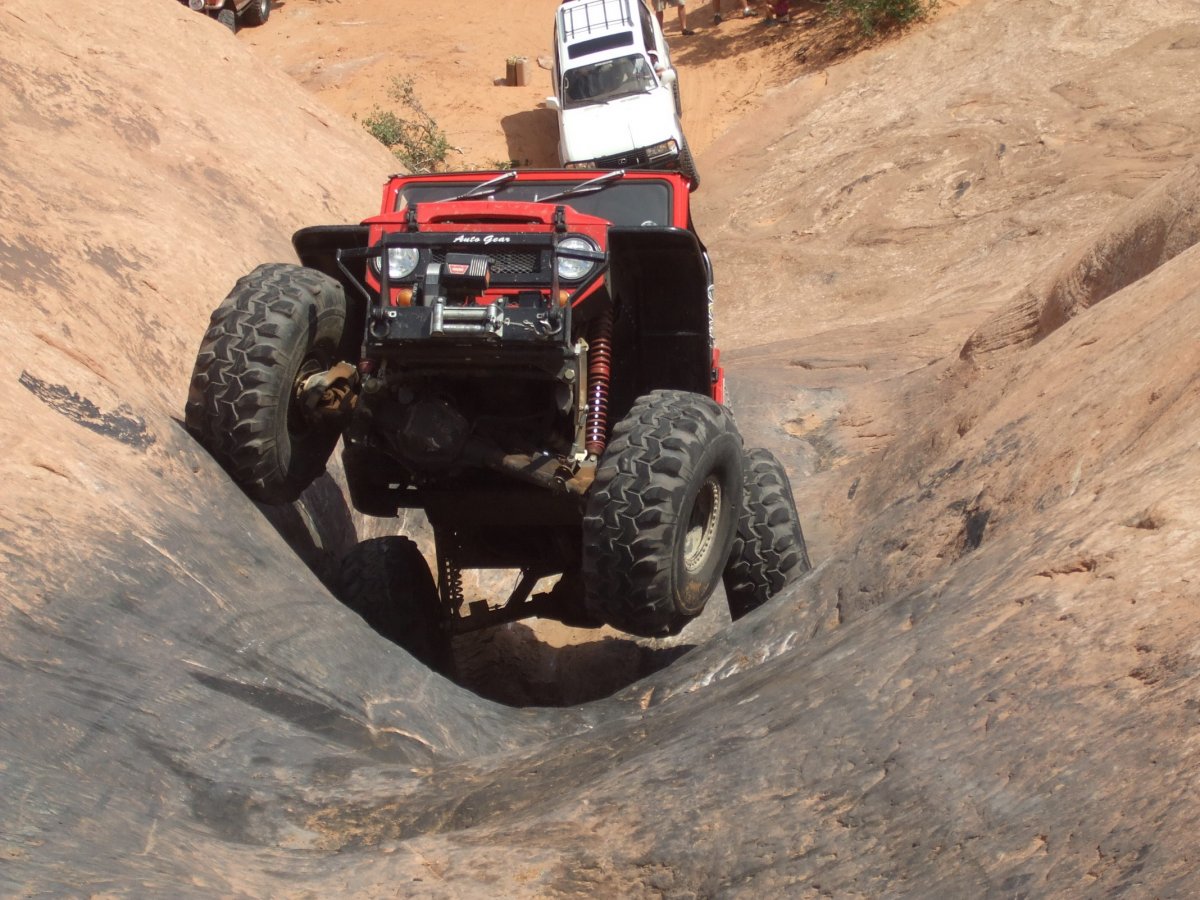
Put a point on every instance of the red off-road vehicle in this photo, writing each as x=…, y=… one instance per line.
x=233, y=13
x=528, y=357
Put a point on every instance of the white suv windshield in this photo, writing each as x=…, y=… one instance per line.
x=607, y=80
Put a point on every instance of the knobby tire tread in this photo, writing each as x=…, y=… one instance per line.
x=256, y=341
x=687, y=166
x=388, y=582
x=769, y=550
x=632, y=505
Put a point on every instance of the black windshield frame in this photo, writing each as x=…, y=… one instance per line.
x=630, y=202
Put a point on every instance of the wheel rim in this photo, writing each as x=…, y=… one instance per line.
x=702, y=525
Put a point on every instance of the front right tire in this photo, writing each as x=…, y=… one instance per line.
x=687, y=166
x=279, y=324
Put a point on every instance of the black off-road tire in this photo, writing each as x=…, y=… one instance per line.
x=387, y=581
x=661, y=513
x=769, y=550
x=687, y=166
x=228, y=18
x=258, y=12
x=278, y=325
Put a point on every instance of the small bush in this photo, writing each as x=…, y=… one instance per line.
x=875, y=14
x=385, y=126
x=414, y=137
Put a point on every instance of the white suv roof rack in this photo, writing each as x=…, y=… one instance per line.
x=584, y=17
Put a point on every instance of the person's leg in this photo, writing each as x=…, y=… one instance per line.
x=683, y=19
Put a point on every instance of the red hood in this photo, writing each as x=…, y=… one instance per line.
x=487, y=215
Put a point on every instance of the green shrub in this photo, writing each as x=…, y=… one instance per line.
x=875, y=14
x=385, y=126
x=413, y=137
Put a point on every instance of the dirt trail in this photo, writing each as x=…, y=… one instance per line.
x=349, y=52
x=457, y=57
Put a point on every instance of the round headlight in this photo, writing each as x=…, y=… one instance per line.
x=574, y=269
x=401, y=262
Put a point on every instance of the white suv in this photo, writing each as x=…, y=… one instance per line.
x=616, y=93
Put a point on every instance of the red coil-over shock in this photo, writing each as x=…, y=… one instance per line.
x=599, y=376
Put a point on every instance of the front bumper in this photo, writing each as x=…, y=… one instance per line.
x=642, y=158
x=526, y=308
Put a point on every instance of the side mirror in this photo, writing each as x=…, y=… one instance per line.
x=552, y=103
x=667, y=76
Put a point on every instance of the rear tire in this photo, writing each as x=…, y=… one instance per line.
x=661, y=513
x=769, y=550
x=278, y=325
x=258, y=12
x=388, y=582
